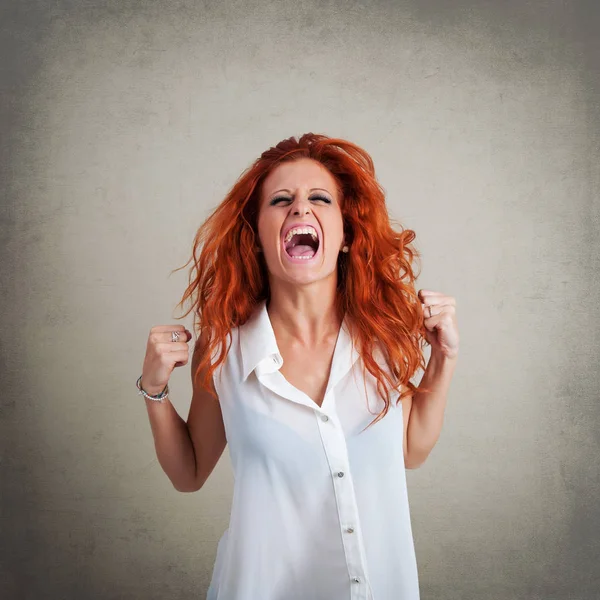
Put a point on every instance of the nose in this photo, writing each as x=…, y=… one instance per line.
x=301, y=205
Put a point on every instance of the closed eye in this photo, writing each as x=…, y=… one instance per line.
x=278, y=198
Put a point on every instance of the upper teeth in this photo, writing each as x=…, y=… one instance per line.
x=299, y=230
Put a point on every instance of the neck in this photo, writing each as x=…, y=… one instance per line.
x=306, y=318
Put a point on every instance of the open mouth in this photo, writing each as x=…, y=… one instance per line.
x=301, y=243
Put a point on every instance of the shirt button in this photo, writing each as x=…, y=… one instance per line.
x=324, y=418
x=340, y=473
x=350, y=530
x=356, y=579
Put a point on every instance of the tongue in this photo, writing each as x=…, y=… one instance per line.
x=301, y=250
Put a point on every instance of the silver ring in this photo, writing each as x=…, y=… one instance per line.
x=175, y=335
x=429, y=311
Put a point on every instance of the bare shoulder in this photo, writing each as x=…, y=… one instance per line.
x=205, y=420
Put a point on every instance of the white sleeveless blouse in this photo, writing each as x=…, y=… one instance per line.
x=319, y=511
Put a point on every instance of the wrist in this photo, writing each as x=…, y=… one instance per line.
x=156, y=393
x=153, y=391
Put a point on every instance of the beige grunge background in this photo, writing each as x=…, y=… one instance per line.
x=123, y=124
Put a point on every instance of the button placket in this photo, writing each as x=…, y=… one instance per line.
x=334, y=443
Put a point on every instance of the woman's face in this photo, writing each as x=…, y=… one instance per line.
x=300, y=193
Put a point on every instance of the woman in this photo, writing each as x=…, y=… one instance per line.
x=309, y=326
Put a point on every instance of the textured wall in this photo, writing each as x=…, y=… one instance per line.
x=123, y=123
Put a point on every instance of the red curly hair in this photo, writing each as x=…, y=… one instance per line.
x=375, y=278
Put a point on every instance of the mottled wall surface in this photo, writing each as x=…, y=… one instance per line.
x=123, y=124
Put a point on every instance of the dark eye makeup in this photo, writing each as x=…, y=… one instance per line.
x=278, y=198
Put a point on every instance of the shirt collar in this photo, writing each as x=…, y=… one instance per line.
x=259, y=347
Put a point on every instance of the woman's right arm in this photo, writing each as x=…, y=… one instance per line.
x=188, y=452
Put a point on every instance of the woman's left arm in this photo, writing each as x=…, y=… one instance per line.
x=427, y=409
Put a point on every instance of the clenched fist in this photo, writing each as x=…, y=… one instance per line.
x=163, y=354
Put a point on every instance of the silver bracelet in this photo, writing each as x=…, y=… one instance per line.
x=160, y=398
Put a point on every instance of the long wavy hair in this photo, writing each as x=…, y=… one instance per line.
x=375, y=283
